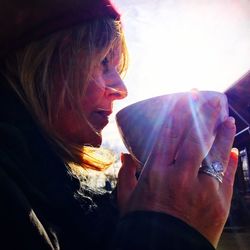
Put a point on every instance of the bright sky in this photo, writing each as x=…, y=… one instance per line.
x=177, y=45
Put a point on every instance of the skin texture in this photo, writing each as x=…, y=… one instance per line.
x=104, y=88
x=170, y=183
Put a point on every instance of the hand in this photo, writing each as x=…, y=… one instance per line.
x=171, y=183
x=126, y=181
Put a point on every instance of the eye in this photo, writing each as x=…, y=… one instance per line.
x=105, y=61
x=105, y=65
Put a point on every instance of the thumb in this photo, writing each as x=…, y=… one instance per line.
x=126, y=180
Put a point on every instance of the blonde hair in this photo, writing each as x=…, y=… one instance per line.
x=31, y=71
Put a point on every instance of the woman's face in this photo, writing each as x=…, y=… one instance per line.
x=103, y=89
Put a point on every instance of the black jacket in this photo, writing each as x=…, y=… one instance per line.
x=42, y=206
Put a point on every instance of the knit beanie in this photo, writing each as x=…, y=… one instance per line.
x=22, y=21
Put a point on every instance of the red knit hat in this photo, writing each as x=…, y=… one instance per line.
x=22, y=21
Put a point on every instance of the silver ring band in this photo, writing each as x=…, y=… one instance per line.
x=215, y=169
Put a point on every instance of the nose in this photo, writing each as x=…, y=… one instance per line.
x=115, y=88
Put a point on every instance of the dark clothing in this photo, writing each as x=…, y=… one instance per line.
x=42, y=206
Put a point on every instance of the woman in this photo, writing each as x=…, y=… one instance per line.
x=60, y=74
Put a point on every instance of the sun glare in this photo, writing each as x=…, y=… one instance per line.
x=175, y=46
x=187, y=44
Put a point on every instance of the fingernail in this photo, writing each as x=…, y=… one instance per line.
x=195, y=94
x=234, y=153
x=214, y=102
x=122, y=157
x=230, y=122
x=194, y=90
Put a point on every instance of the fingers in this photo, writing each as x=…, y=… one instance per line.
x=223, y=143
x=164, y=150
x=228, y=180
x=200, y=137
x=126, y=180
x=174, y=129
x=220, y=150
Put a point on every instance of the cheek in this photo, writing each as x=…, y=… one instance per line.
x=75, y=130
x=94, y=93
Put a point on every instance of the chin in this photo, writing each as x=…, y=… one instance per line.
x=97, y=143
x=95, y=140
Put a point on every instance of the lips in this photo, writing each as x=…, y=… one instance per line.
x=100, y=119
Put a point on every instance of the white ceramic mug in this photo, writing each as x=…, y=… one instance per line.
x=140, y=123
